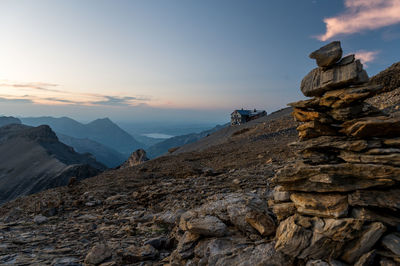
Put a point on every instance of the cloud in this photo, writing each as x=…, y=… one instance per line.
x=361, y=15
x=44, y=94
x=15, y=100
x=120, y=101
x=366, y=56
x=42, y=86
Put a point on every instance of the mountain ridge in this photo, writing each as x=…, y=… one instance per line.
x=101, y=130
x=33, y=159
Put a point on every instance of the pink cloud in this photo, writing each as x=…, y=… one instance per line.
x=366, y=56
x=362, y=15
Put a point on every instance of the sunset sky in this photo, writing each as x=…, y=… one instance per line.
x=177, y=59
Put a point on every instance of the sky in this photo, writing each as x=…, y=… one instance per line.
x=177, y=60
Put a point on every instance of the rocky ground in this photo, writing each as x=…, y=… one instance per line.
x=124, y=208
x=194, y=208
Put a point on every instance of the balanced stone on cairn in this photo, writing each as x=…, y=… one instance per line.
x=342, y=194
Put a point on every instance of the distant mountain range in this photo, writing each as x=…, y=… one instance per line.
x=32, y=159
x=103, y=131
x=6, y=120
x=162, y=147
x=110, y=157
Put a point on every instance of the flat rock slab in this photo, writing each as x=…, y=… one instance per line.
x=321, y=205
x=327, y=55
x=374, y=216
x=345, y=97
x=315, y=129
x=337, y=143
x=389, y=199
x=306, y=116
x=342, y=177
x=369, y=127
x=319, y=80
x=352, y=157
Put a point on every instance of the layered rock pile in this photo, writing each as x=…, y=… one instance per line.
x=340, y=201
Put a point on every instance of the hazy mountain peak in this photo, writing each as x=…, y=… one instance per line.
x=6, y=120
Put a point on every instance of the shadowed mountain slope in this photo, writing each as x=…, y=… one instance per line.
x=110, y=157
x=32, y=159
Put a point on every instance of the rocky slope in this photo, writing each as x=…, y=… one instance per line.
x=127, y=207
x=32, y=159
x=162, y=147
x=215, y=206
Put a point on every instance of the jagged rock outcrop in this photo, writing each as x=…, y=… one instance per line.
x=340, y=199
x=137, y=157
x=231, y=229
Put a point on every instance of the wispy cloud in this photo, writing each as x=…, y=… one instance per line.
x=120, y=101
x=15, y=100
x=42, y=86
x=361, y=15
x=366, y=56
x=45, y=93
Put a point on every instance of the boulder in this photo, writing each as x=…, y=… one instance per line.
x=207, y=226
x=327, y=55
x=329, y=237
x=293, y=238
x=98, y=254
x=320, y=205
x=40, y=219
x=263, y=223
x=321, y=80
x=134, y=254
x=236, y=251
x=137, y=157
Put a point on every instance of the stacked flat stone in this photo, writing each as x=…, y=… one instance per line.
x=340, y=201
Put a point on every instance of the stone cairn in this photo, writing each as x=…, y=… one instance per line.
x=339, y=203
